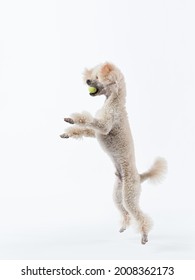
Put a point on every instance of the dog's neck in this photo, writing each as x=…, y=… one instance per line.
x=115, y=95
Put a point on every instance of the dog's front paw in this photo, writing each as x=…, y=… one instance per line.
x=64, y=135
x=69, y=120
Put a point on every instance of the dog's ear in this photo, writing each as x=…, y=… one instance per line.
x=106, y=69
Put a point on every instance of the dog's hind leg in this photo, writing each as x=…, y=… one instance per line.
x=117, y=195
x=130, y=200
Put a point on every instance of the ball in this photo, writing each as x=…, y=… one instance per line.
x=92, y=89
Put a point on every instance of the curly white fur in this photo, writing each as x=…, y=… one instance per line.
x=111, y=128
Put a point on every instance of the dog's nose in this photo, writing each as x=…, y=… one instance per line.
x=88, y=82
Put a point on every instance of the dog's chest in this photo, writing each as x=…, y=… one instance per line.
x=108, y=142
x=99, y=113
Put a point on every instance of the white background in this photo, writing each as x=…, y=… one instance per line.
x=56, y=194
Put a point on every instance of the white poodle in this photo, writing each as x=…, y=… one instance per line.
x=111, y=128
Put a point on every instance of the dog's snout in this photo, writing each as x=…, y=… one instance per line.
x=88, y=82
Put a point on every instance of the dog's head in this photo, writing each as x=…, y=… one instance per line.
x=106, y=78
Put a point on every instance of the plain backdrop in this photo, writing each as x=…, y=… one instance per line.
x=56, y=194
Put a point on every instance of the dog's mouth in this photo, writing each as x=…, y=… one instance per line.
x=98, y=89
x=95, y=88
x=94, y=93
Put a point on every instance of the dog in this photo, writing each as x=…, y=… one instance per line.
x=111, y=128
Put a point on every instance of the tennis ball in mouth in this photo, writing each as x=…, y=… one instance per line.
x=92, y=89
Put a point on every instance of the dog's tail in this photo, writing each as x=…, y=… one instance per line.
x=156, y=173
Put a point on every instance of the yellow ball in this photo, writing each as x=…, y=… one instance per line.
x=92, y=89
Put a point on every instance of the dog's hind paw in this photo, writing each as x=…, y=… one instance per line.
x=122, y=229
x=144, y=239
